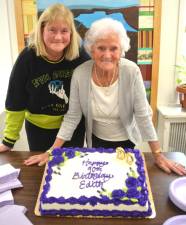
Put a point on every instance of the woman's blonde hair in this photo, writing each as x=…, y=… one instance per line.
x=51, y=14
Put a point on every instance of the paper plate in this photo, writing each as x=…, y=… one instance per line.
x=176, y=220
x=177, y=193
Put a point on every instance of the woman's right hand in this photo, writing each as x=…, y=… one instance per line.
x=40, y=159
x=4, y=148
x=43, y=158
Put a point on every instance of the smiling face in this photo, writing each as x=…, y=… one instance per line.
x=106, y=52
x=56, y=37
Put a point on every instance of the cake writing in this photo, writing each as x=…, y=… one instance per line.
x=93, y=176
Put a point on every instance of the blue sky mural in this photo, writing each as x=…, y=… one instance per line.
x=89, y=4
x=87, y=18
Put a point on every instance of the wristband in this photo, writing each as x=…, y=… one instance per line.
x=157, y=151
x=49, y=151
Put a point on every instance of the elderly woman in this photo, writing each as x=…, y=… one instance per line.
x=109, y=91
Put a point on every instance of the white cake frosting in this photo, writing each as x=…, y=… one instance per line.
x=81, y=184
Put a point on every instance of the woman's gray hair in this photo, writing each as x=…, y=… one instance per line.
x=101, y=28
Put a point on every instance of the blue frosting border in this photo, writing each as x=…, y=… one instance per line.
x=57, y=158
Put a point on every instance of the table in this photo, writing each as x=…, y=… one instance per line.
x=31, y=178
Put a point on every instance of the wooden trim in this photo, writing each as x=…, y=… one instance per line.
x=19, y=24
x=155, y=57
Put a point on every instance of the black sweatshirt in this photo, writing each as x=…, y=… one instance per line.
x=38, y=91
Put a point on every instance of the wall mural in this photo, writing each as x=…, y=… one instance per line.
x=135, y=15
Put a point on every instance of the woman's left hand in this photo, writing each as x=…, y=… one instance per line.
x=168, y=165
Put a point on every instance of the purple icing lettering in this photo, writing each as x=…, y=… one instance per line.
x=82, y=184
x=94, y=169
x=93, y=177
x=93, y=163
x=76, y=175
x=94, y=184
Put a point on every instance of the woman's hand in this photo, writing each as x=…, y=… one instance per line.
x=168, y=165
x=40, y=159
x=4, y=148
x=43, y=158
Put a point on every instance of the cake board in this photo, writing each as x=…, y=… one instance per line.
x=149, y=190
x=37, y=212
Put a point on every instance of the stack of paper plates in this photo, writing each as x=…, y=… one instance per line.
x=177, y=193
x=176, y=220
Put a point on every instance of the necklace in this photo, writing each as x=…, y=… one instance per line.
x=54, y=62
x=106, y=89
